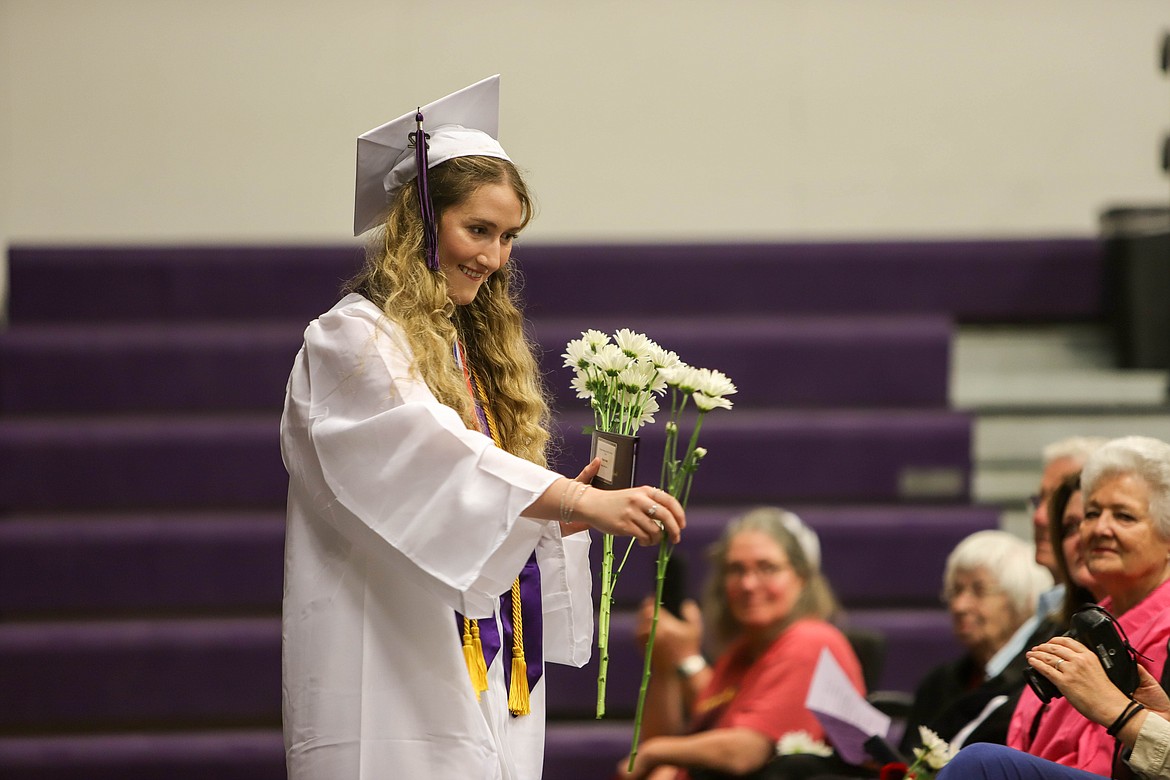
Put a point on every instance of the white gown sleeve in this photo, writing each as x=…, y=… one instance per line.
x=402, y=464
x=566, y=584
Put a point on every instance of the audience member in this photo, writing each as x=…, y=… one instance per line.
x=1061, y=458
x=768, y=605
x=1066, y=512
x=991, y=584
x=1125, y=541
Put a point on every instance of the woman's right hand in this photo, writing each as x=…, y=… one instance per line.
x=635, y=512
x=645, y=512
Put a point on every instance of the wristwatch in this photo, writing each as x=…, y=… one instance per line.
x=691, y=665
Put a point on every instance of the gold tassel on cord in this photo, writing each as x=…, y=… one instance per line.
x=473, y=656
x=518, y=703
x=518, y=695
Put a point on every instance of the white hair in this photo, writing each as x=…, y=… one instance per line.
x=1143, y=457
x=1077, y=448
x=1010, y=562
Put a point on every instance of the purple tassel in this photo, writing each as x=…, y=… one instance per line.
x=430, y=230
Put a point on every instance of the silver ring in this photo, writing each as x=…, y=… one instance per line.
x=650, y=512
x=1056, y=665
x=661, y=525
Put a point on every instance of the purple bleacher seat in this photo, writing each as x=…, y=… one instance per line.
x=980, y=280
x=127, y=367
x=976, y=280
x=145, y=563
x=783, y=361
x=137, y=462
x=223, y=755
x=586, y=751
x=226, y=460
x=190, y=673
x=836, y=456
x=173, y=284
x=118, y=368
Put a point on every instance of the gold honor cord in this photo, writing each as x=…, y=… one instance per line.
x=518, y=693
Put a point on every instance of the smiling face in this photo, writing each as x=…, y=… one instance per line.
x=760, y=584
x=1119, y=540
x=982, y=614
x=475, y=239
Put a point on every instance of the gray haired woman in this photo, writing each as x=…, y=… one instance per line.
x=990, y=586
x=768, y=605
x=1125, y=541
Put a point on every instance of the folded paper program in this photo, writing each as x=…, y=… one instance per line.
x=848, y=719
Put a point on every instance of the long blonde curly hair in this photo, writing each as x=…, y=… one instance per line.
x=491, y=328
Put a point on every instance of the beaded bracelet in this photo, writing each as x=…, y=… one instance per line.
x=567, y=515
x=1131, y=709
x=568, y=486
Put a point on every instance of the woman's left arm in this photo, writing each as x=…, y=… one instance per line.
x=735, y=751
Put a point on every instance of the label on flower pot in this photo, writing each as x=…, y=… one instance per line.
x=618, y=455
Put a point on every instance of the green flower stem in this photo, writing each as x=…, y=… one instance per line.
x=677, y=477
x=607, y=583
x=664, y=551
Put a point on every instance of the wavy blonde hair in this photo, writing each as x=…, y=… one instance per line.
x=396, y=279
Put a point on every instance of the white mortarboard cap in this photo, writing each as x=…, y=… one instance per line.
x=462, y=124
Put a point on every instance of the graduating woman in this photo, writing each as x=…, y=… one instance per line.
x=433, y=563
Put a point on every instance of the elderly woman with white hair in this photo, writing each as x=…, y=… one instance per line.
x=990, y=586
x=1125, y=541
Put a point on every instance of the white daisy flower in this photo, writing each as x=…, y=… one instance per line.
x=649, y=409
x=801, y=742
x=683, y=377
x=706, y=402
x=611, y=359
x=578, y=354
x=635, y=345
x=581, y=384
x=714, y=383
x=595, y=339
x=663, y=358
x=637, y=377
x=935, y=752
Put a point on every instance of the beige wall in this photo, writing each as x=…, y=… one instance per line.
x=226, y=120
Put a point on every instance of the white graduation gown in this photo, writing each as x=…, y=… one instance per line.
x=398, y=515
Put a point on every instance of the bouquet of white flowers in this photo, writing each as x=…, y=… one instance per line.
x=621, y=379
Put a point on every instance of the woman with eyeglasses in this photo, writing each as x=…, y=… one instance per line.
x=768, y=605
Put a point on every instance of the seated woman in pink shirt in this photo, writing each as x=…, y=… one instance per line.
x=768, y=605
x=1125, y=542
